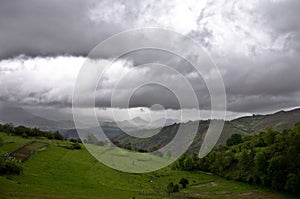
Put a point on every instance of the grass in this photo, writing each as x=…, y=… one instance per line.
x=26, y=150
x=58, y=172
x=12, y=142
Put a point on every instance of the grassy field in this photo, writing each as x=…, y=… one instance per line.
x=57, y=172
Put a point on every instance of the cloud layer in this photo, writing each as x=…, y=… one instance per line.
x=255, y=44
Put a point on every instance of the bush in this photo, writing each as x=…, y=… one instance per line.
x=1, y=141
x=73, y=140
x=183, y=182
x=293, y=183
x=171, y=188
x=75, y=146
x=10, y=167
x=91, y=139
x=100, y=143
x=57, y=136
x=234, y=140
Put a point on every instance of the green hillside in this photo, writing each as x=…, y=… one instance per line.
x=56, y=171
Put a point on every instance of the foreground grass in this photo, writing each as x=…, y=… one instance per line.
x=62, y=173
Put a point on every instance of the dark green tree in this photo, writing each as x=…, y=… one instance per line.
x=57, y=136
x=188, y=163
x=293, y=183
x=234, y=140
x=184, y=182
x=91, y=139
x=171, y=188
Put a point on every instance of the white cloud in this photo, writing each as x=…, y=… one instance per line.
x=177, y=15
x=38, y=80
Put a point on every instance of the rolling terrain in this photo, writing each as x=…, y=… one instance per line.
x=58, y=172
x=244, y=125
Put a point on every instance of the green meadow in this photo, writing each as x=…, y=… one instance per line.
x=59, y=172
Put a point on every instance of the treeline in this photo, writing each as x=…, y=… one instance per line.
x=29, y=132
x=269, y=158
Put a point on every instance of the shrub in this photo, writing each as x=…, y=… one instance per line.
x=57, y=136
x=73, y=140
x=91, y=139
x=183, y=182
x=100, y=143
x=75, y=146
x=171, y=188
x=1, y=141
x=293, y=183
x=10, y=167
x=234, y=140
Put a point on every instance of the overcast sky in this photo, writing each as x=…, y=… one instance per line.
x=255, y=44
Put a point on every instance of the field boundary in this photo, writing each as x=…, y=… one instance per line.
x=26, y=150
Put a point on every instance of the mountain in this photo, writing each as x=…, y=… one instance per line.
x=253, y=124
x=19, y=116
x=164, y=122
x=139, y=121
x=245, y=125
x=109, y=131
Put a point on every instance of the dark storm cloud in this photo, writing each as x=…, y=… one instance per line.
x=256, y=45
x=55, y=27
x=283, y=18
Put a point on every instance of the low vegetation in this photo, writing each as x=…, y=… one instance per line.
x=29, y=132
x=9, y=166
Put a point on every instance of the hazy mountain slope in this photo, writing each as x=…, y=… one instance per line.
x=19, y=116
x=245, y=125
x=279, y=121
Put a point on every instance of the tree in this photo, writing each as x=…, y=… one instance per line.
x=293, y=183
x=269, y=136
x=169, y=154
x=260, y=162
x=176, y=188
x=188, y=163
x=234, y=140
x=128, y=146
x=100, y=143
x=75, y=146
x=171, y=188
x=91, y=139
x=277, y=172
x=1, y=141
x=57, y=136
x=184, y=182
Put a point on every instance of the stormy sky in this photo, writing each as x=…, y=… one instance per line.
x=255, y=44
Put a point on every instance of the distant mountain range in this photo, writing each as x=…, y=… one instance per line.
x=244, y=125
x=113, y=129
x=19, y=116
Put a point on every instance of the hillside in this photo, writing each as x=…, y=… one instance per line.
x=244, y=125
x=58, y=172
x=19, y=116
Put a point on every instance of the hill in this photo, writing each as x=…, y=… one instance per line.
x=58, y=172
x=19, y=116
x=244, y=125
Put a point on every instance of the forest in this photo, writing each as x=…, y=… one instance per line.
x=269, y=158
